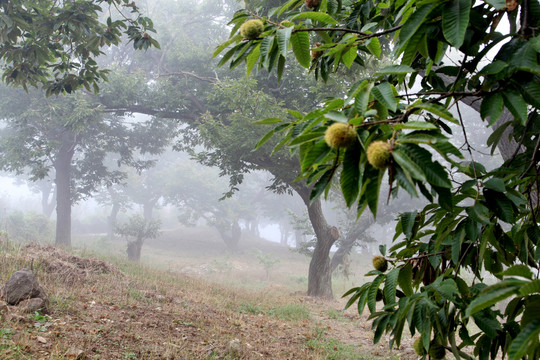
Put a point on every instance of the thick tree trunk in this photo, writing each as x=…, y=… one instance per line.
x=320, y=274
x=62, y=166
x=231, y=235
x=111, y=220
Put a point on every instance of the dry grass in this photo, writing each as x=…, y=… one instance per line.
x=130, y=311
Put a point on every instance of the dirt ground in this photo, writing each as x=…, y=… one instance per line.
x=127, y=311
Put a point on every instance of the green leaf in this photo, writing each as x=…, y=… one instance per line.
x=405, y=279
x=252, y=58
x=493, y=295
x=518, y=270
x=316, y=16
x=348, y=56
x=321, y=185
x=301, y=139
x=390, y=285
x=412, y=24
x=283, y=39
x=497, y=4
x=436, y=109
x=316, y=154
x=372, y=293
x=374, y=47
x=479, y=213
x=395, y=70
x=492, y=107
x=532, y=287
x=300, y=45
x=524, y=340
x=384, y=93
x=407, y=223
x=495, y=184
x=418, y=125
x=264, y=139
x=517, y=106
x=350, y=176
x=455, y=19
x=408, y=165
x=268, y=121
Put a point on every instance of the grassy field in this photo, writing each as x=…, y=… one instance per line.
x=188, y=299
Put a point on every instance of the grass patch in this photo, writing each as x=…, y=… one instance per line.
x=250, y=309
x=336, y=314
x=290, y=312
x=332, y=348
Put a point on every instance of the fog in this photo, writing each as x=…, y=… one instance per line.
x=170, y=139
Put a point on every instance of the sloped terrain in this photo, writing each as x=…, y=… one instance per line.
x=100, y=310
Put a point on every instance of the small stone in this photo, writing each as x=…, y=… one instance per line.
x=75, y=354
x=41, y=339
x=32, y=305
x=235, y=347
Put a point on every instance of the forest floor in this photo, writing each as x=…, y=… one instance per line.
x=188, y=299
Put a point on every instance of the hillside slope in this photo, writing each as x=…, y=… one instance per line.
x=126, y=311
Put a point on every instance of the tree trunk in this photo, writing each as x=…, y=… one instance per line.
x=62, y=166
x=111, y=220
x=320, y=274
x=284, y=232
x=48, y=202
x=134, y=250
x=231, y=235
x=148, y=209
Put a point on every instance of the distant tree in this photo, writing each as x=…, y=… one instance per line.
x=74, y=137
x=136, y=230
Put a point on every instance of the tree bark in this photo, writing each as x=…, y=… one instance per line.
x=62, y=166
x=320, y=274
x=48, y=202
x=111, y=220
x=134, y=250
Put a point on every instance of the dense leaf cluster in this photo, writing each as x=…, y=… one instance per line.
x=54, y=44
x=476, y=242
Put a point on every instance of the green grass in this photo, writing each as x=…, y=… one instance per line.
x=334, y=349
x=290, y=312
x=250, y=309
x=335, y=314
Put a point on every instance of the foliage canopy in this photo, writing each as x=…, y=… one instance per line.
x=480, y=227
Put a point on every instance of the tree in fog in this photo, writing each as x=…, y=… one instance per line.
x=479, y=224
x=73, y=137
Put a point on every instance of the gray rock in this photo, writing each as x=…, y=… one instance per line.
x=32, y=305
x=22, y=285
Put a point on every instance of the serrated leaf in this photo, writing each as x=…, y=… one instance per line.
x=316, y=16
x=495, y=184
x=300, y=45
x=394, y=70
x=492, y=107
x=518, y=270
x=455, y=19
x=493, y=295
x=316, y=154
x=321, y=185
x=417, y=125
x=408, y=165
x=372, y=293
x=264, y=139
x=532, y=287
x=283, y=40
x=384, y=93
x=350, y=176
x=390, y=285
x=412, y=24
x=267, y=121
x=252, y=59
x=522, y=343
x=405, y=279
x=407, y=223
x=479, y=213
x=374, y=47
x=301, y=139
x=436, y=109
x=516, y=104
x=348, y=56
